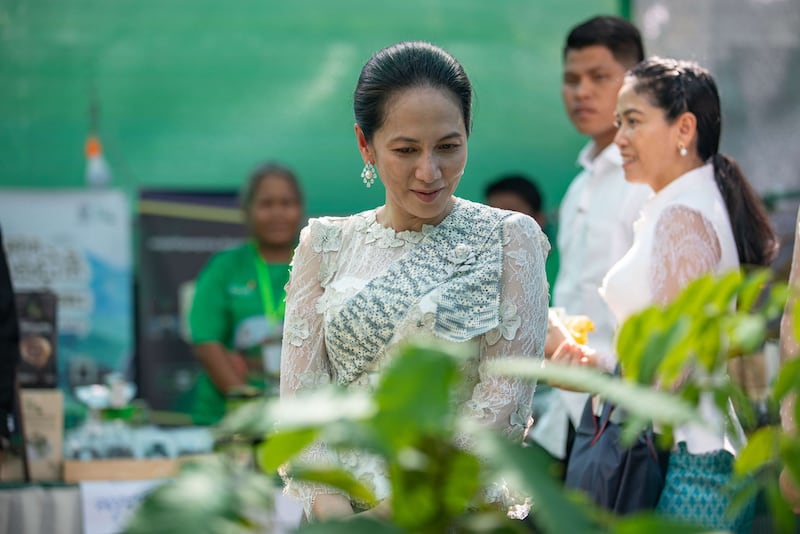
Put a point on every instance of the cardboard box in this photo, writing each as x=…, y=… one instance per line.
x=43, y=423
x=42, y=412
x=38, y=338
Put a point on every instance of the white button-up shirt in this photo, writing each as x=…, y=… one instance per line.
x=595, y=229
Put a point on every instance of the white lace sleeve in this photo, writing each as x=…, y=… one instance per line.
x=685, y=247
x=789, y=344
x=304, y=362
x=499, y=402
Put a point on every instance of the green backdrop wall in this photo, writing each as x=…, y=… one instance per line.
x=194, y=93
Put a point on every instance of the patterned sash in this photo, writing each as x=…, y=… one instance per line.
x=463, y=255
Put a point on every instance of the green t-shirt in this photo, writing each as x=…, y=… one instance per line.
x=228, y=308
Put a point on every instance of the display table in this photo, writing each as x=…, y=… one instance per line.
x=98, y=496
x=94, y=507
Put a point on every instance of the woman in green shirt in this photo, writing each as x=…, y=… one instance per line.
x=236, y=319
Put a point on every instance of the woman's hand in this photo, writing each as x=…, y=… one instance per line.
x=557, y=334
x=331, y=506
x=571, y=353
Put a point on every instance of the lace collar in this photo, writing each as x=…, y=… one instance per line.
x=387, y=237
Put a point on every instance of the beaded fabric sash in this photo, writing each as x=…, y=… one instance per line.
x=462, y=256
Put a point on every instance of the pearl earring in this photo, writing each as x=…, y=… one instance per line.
x=682, y=150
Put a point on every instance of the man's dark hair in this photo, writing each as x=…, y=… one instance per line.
x=520, y=185
x=615, y=33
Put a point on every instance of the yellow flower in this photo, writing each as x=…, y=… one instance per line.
x=579, y=326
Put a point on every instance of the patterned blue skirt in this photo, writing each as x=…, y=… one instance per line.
x=697, y=490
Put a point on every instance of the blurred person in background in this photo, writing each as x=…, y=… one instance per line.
x=425, y=264
x=703, y=218
x=596, y=215
x=516, y=192
x=9, y=351
x=790, y=349
x=236, y=318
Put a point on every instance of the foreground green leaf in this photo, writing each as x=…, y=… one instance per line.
x=795, y=321
x=788, y=379
x=413, y=396
x=323, y=406
x=336, y=478
x=747, y=333
x=752, y=288
x=633, y=340
x=762, y=448
x=527, y=469
x=652, y=524
x=212, y=496
x=359, y=525
x=641, y=402
x=462, y=481
x=790, y=454
x=281, y=446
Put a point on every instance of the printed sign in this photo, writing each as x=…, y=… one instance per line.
x=106, y=506
x=178, y=232
x=77, y=245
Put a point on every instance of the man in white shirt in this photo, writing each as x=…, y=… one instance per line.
x=596, y=216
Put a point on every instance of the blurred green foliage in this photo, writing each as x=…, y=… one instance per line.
x=410, y=423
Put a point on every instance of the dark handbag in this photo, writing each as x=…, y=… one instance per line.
x=620, y=479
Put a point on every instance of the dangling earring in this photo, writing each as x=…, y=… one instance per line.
x=369, y=174
x=682, y=150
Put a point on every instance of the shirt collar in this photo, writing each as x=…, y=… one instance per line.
x=693, y=180
x=609, y=154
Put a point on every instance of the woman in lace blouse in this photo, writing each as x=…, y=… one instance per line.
x=425, y=263
x=703, y=217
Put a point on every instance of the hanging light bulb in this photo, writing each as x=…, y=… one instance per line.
x=98, y=173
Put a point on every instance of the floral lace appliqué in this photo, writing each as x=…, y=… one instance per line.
x=385, y=237
x=326, y=238
x=312, y=380
x=509, y=323
x=296, y=331
x=463, y=256
x=521, y=257
x=327, y=268
x=519, y=422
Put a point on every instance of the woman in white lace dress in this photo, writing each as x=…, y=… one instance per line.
x=703, y=218
x=425, y=263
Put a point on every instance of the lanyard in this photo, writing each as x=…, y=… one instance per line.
x=264, y=282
